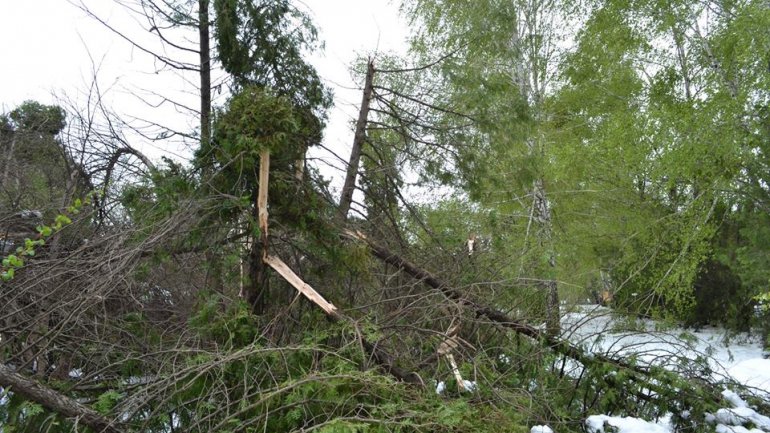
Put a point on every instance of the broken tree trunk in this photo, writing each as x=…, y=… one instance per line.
x=358, y=141
x=376, y=352
x=445, y=348
x=302, y=287
x=256, y=295
x=264, y=178
x=55, y=401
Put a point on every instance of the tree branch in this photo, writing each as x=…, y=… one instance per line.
x=55, y=401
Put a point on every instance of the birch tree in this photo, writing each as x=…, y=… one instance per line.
x=502, y=75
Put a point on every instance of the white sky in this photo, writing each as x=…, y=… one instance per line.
x=46, y=46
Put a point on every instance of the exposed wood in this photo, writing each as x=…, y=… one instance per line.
x=471, y=243
x=378, y=354
x=55, y=401
x=301, y=286
x=257, y=290
x=264, y=179
x=450, y=342
x=299, y=168
x=455, y=371
x=358, y=141
x=445, y=348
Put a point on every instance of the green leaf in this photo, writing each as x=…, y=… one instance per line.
x=107, y=401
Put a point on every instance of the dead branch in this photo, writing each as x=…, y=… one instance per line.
x=55, y=401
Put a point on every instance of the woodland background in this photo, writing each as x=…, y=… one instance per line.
x=612, y=150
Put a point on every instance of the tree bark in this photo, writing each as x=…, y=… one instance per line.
x=358, y=141
x=55, y=401
x=204, y=59
x=257, y=293
x=205, y=72
x=545, y=238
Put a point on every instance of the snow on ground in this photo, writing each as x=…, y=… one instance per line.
x=754, y=373
x=598, y=423
x=596, y=329
x=738, y=358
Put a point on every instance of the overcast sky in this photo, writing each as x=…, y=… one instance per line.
x=49, y=45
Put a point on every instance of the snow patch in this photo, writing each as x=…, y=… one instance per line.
x=734, y=398
x=441, y=387
x=540, y=429
x=738, y=358
x=470, y=385
x=598, y=424
x=709, y=350
x=721, y=428
x=754, y=373
x=742, y=415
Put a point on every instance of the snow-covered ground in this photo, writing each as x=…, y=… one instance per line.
x=738, y=358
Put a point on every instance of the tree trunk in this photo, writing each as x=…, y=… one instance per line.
x=531, y=86
x=257, y=292
x=358, y=141
x=205, y=66
x=8, y=160
x=204, y=55
x=542, y=214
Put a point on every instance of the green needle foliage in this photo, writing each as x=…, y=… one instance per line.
x=608, y=146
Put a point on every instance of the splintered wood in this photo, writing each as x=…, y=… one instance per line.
x=445, y=348
x=377, y=352
x=264, y=178
x=275, y=262
x=301, y=286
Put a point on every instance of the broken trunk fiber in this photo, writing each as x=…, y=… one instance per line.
x=380, y=356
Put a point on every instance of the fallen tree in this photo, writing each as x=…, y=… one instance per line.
x=652, y=382
x=55, y=401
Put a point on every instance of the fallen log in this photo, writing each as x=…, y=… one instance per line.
x=493, y=315
x=54, y=401
x=652, y=382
